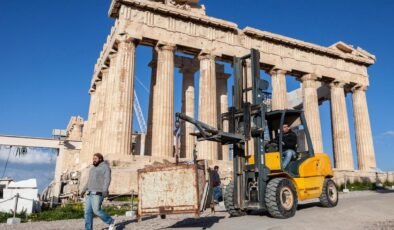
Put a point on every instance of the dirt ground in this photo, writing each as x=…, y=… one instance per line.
x=356, y=210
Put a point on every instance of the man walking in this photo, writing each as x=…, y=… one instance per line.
x=96, y=189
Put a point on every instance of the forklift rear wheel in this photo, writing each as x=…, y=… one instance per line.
x=281, y=198
x=229, y=201
x=329, y=195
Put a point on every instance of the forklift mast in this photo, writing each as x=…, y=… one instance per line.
x=246, y=121
x=253, y=121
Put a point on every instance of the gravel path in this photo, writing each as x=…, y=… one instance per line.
x=356, y=210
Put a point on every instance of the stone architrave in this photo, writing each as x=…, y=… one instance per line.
x=207, y=112
x=187, y=140
x=311, y=110
x=340, y=127
x=222, y=107
x=364, y=141
x=279, y=89
x=163, y=103
x=120, y=100
x=148, y=139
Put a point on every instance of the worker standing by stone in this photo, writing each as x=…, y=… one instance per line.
x=215, y=182
x=96, y=189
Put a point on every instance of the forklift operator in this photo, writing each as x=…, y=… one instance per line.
x=289, y=144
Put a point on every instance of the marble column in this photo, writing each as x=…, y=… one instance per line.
x=106, y=134
x=89, y=127
x=364, y=141
x=94, y=129
x=340, y=127
x=248, y=97
x=99, y=141
x=207, y=112
x=187, y=140
x=222, y=107
x=163, y=103
x=148, y=138
x=279, y=90
x=311, y=110
x=121, y=99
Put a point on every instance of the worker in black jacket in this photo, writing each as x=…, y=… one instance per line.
x=289, y=144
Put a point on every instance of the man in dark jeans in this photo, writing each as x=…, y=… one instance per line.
x=96, y=189
x=289, y=144
x=215, y=182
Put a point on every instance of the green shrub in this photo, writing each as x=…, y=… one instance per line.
x=358, y=185
x=5, y=215
x=388, y=184
x=65, y=212
x=74, y=211
x=68, y=211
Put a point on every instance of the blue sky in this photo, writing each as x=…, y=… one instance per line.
x=49, y=49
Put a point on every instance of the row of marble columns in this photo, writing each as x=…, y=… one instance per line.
x=109, y=127
x=343, y=157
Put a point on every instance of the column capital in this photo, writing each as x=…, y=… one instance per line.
x=359, y=88
x=126, y=38
x=337, y=84
x=98, y=83
x=104, y=71
x=276, y=71
x=112, y=56
x=309, y=77
x=204, y=56
x=165, y=46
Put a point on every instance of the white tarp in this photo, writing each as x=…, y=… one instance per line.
x=30, y=183
x=28, y=196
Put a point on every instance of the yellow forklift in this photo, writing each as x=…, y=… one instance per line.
x=259, y=180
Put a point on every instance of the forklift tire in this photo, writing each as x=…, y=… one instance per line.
x=329, y=195
x=229, y=201
x=281, y=198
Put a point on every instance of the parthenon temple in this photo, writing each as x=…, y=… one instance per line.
x=182, y=27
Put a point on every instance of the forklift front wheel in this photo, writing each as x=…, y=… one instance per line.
x=229, y=201
x=329, y=195
x=281, y=198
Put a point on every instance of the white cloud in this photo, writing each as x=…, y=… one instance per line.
x=33, y=156
x=388, y=133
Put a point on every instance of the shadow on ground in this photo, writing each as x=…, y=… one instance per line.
x=384, y=190
x=123, y=224
x=299, y=207
x=202, y=222
x=308, y=205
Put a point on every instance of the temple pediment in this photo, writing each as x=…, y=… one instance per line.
x=349, y=49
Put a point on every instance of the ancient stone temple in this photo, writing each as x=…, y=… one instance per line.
x=171, y=27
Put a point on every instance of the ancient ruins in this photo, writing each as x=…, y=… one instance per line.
x=181, y=26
